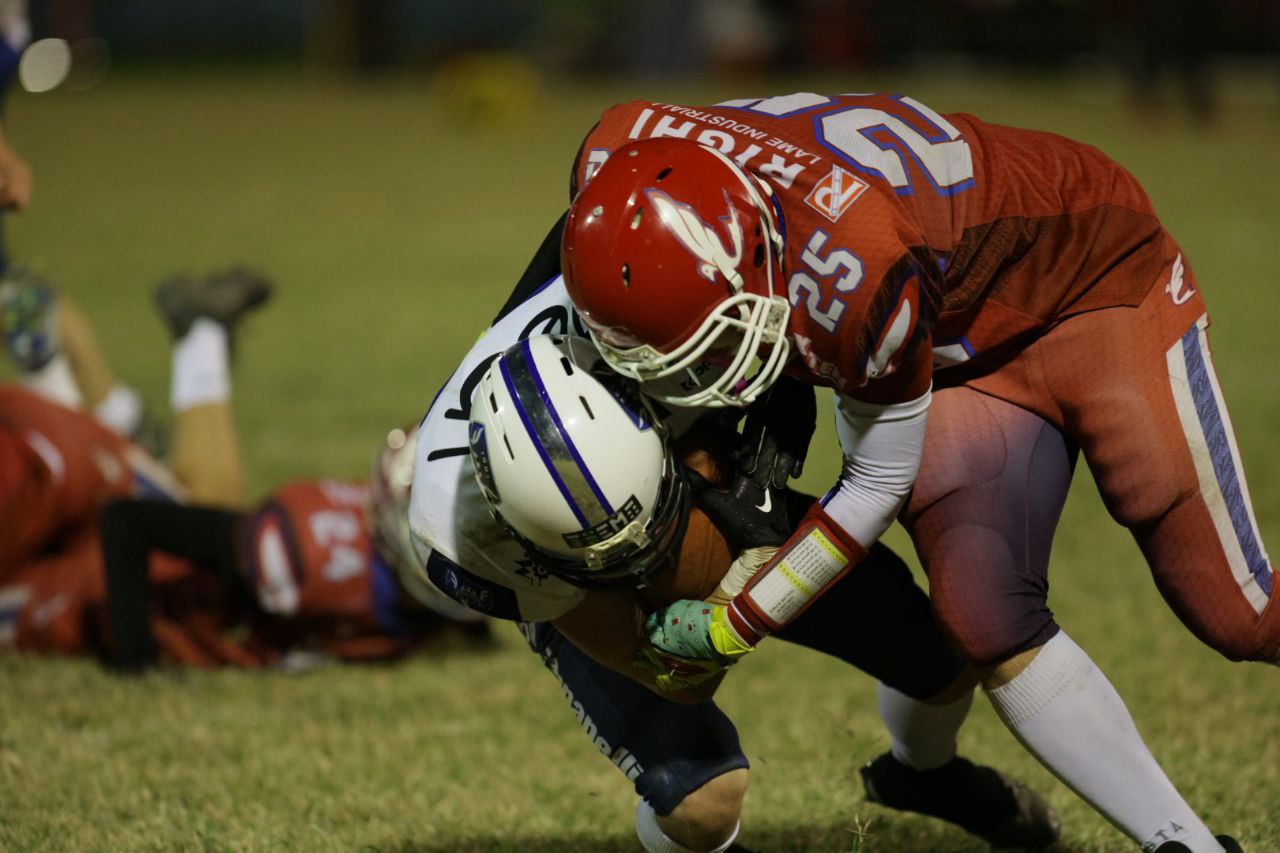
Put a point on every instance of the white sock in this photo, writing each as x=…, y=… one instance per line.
x=1067, y=714
x=55, y=381
x=120, y=411
x=924, y=736
x=653, y=839
x=201, y=368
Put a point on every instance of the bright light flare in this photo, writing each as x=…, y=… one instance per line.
x=45, y=65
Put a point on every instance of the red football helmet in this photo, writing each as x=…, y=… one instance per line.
x=670, y=251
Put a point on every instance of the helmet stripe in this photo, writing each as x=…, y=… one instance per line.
x=550, y=438
x=537, y=443
x=564, y=433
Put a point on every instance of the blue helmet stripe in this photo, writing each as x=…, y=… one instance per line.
x=537, y=443
x=564, y=433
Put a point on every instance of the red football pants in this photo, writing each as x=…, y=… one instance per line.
x=1134, y=390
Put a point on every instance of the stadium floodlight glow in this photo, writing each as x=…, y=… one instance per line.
x=45, y=65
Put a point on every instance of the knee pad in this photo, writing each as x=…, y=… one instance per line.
x=988, y=648
x=653, y=838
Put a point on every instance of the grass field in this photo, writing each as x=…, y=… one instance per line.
x=395, y=231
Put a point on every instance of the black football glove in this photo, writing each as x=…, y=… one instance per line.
x=752, y=512
x=777, y=434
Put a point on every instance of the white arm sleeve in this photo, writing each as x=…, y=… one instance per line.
x=882, y=447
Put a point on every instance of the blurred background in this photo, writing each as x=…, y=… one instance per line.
x=1161, y=47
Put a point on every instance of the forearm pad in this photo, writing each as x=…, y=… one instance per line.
x=815, y=557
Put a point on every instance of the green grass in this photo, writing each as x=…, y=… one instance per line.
x=395, y=232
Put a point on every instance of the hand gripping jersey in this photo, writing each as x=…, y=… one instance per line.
x=908, y=230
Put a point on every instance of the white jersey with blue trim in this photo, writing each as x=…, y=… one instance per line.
x=466, y=553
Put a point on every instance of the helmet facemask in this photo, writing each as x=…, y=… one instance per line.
x=759, y=323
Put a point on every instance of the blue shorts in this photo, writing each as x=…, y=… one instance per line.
x=668, y=750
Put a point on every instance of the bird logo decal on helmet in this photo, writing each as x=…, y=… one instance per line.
x=701, y=239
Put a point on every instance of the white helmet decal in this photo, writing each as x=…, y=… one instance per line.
x=699, y=238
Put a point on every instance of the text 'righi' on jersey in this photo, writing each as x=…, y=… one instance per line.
x=748, y=146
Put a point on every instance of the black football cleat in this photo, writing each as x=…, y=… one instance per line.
x=1000, y=810
x=223, y=297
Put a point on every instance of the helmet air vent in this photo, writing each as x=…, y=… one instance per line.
x=587, y=406
x=626, y=275
x=635, y=220
x=567, y=365
x=663, y=174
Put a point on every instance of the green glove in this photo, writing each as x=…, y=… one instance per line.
x=695, y=630
x=673, y=672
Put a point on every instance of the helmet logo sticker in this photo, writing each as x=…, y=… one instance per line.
x=835, y=193
x=699, y=238
x=611, y=526
x=480, y=458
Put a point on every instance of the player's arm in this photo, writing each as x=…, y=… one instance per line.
x=885, y=352
x=607, y=627
x=882, y=436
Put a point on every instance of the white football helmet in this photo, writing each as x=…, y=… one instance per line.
x=577, y=470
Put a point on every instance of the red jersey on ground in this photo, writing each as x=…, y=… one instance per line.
x=312, y=563
x=57, y=467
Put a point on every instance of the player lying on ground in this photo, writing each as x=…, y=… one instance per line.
x=317, y=569
x=59, y=465
x=868, y=244
x=684, y=759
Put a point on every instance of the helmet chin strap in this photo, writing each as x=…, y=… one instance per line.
x=633, y=535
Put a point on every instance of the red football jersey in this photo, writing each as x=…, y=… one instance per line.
x=57, y=467
x=311, y=557
x=914, y=235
